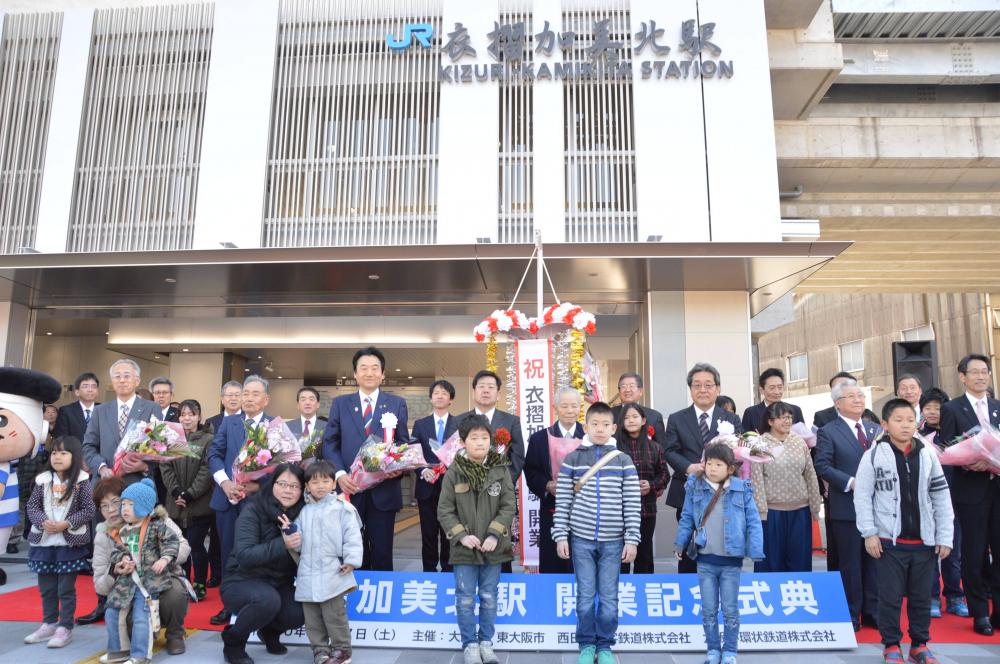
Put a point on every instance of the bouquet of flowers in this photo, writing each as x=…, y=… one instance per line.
x=978, y=445
x=153, y=441
x=310, y=446
x=805, y=433
x=268, y=445
x=445, y=452
x=559, y=449
x=746, y=447
x=378, y=458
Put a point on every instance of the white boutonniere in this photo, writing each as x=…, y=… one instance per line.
x=724, y=428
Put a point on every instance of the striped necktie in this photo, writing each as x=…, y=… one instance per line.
x=703, y=426
x=367, y=419
x=122, y=420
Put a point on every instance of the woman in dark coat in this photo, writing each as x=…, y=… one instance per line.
x=259, y=584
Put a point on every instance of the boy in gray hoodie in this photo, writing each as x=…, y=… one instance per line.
x=904, y=514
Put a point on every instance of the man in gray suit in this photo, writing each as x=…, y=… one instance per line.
x=308, y=422
x=111, y=420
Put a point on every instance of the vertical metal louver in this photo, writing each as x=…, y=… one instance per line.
x=516, y=216
x=29, y=47
x=353, y=157
x=140, y=141
x=600, y=134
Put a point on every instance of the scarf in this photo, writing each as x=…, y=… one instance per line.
x=475, y=472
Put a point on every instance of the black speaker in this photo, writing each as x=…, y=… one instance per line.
x=917, y=358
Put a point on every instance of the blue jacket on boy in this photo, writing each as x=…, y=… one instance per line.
x=744, y=534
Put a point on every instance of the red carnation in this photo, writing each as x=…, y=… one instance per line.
x=571, y=314
x=502, y=436
x=590, y=329
x=480, y=338
x=650, y=431
x=493, y=325
x=533, y=327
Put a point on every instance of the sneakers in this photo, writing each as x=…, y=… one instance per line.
x=45, y=632
x=114, y=656
x=486, y=653
x=61, y=638
x=728, y=658
x=713, y=657
x=339, y=657
x=587, y=655
x=922, y=655
x=892, y=655
x=199, y=591
x=605, y=657
x=935, y=608
x=471, y=654
x=958, y=607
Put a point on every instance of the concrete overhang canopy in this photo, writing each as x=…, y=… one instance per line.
x=452, y=279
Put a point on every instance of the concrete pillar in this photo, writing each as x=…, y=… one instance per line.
x=549, y=173
x=198, y=376
x=17, y=328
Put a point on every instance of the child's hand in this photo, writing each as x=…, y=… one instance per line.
x=562, y=549
x=160, y=565
x=490, y=544
x=346, y=569
x=942, y=551
x=470, y=542
x=124, y=566
x=628, y=553
x=873, y=546
x=678, y=555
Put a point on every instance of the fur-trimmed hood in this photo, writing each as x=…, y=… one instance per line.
x=41, y=479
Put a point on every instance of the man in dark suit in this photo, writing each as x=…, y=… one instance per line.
x=353, y=417
x=975, y=492
x=688, y=430
x=73, y=418
x=485, y=392
x=111, y=420
x=772, y=388
x=162, y=390
x=308, y=422
x=630, y=389
x=437, y=427
x=232, y=402
x=228, y=496
x=538, y=474
x=840, y=445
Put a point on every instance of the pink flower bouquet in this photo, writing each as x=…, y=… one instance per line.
x=377, y=459
x=981, y=445
x=153, y=441
x=268, y=445
x=746, y=448
x=805, y=433
x=559, y=449
x=445, y=453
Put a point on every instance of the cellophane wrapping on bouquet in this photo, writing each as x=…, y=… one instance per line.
x=978, y=445
x=153, y=441
x=805, y=433
x=268, y=445
x=377, y=458
x=445, y=452
x=310, y=446
x=559, y=449
x=747, y=448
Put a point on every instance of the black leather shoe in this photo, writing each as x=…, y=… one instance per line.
x=214, y=582
x=995, y=620
x=95, y=616
x=272, y=642
x=3, y=577
x=982, y=626
x=221, y=618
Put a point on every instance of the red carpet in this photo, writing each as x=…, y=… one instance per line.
x=946, y=629
x=26, y=605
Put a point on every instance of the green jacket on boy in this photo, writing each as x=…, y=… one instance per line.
x=478, y=499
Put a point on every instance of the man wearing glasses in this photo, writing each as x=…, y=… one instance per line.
x=688, y=430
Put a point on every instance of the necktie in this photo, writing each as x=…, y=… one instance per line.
x=703, y=425
x=305, y=429
x=122, y=420
x=367, y=418
x=86, y=416
x=440, y=431
x=861, y=436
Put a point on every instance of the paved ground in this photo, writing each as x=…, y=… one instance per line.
x=88, y=643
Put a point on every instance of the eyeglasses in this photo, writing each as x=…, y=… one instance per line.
x=784, y=418
x=977, y=372
x=291, y=486
x=702, y=386
x=114, y=505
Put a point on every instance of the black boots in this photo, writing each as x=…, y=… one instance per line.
x=97, y=615
x=234, y=650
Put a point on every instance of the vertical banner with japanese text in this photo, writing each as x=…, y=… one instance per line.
x=535, y=408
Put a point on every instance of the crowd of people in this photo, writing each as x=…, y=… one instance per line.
x=284, y=549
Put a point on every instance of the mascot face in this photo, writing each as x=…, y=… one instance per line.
x=16, y=440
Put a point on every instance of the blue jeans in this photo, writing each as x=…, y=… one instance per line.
x=716, y=580
x=141, y=643
x=597, y=565
x=471, y=580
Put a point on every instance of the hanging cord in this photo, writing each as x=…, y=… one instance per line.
x=523, y=277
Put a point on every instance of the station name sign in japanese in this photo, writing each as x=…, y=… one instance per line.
x=657, y=612
x=602, y=56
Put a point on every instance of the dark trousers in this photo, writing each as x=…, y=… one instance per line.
x=214, y=551
x=195, y=534
x=981, y=529
x=58, y=598
x=174, y=608
x=832, y=560
x=903, y=573
x=225, y=522
x=950, y=571
x=434, y=547
x=644, y=555
x=857, y=570
x=259, y=606
x=549, y=561
x=685, y=565
x=787, y=542
x=377, y=535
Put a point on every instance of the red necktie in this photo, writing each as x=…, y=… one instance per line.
x=861, y=436
x=305, y=430
x=367, y=419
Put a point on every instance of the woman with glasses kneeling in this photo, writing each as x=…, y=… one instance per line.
x=787, y=495
x=258, y=585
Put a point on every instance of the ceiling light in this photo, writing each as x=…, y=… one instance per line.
x=260, y=357
x=410, y=377
x=184, y=349
x=374, y=277
x=246, y=371
x=398, y=370
x=170, y=280
x=156, y=357
x=48, y=334
x=279, y=377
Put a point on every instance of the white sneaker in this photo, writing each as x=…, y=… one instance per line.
x=486, y=653
x=113, y=657
x=62, y=637
x=45, y=632
x=472, y=655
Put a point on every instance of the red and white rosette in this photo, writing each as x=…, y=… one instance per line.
x=388, y=422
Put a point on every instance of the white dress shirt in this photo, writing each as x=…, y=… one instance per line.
x=567, y=433
x=709, y=412
x=488, y=414
x=221, y=476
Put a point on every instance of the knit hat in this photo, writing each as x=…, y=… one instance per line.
x=23, y=391
x=143, y=497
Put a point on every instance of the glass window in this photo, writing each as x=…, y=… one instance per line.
x=798, y=368
x=852, y=356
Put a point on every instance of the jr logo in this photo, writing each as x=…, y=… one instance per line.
x=422, y=32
